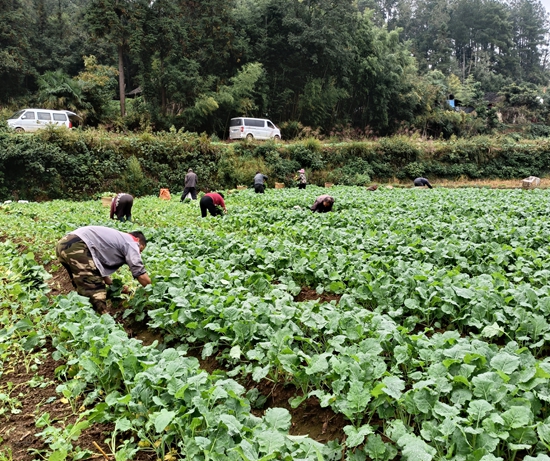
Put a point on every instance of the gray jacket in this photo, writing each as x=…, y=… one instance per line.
x=111, y=249
x=191, y=179
x=259, y=178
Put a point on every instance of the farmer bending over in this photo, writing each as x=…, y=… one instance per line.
x=91, y=254
x=322, y=204
x=121, y=206
x=212, y=202
x=421, y=182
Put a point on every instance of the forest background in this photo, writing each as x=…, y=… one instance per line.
x=161, y=81
x=350, y=68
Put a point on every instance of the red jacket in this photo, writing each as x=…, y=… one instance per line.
x=217, y=198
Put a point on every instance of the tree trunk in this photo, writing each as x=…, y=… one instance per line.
x=463, y=64
x=121, y=85
x=162, y=89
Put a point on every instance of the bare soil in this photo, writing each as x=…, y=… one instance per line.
x=60, y=283
x=309, y=294
x=18, y=431
x=321, y=424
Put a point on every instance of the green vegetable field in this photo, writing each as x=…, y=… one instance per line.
x=417, y=322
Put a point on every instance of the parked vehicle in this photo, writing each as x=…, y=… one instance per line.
x=253, y=128
x=36, y=119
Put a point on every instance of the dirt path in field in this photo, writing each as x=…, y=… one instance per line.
x=473, y=183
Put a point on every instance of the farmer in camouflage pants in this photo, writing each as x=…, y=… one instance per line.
x=91, y=254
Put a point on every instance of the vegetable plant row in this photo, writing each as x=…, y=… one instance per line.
x=435, y=345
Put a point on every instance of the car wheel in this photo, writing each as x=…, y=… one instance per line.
x=277, y=137
x=19, y=130
x=249, y=136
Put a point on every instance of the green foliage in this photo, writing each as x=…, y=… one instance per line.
x=290, y=129
x=384, y=80
x=537, y=130
x=306, y=155
x=399, y=150
x=470, y=93
x=522, y=95
x=59, y=163
x=60, y=440
x=133, y=181
x=57, y=90
x=435, y=341
x=98, y=83
x=319, y=101
x=348, y=176
x=524, y=103
x=436, y=119
x=369, y=67
x=234, y=170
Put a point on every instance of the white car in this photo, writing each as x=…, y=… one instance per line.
x=253, y=128
x=36, y=119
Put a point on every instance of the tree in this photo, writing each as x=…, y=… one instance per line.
x=116, y=21
x=482, y=34
x=530, y=22
x=187, y=51
x=57, y=90
x=303, y=46
x=382, y=89
x=428, y=31
x=15, y=63
x=238, y=97
x=98, y=84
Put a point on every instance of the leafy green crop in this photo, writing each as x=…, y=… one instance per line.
x=435, y=345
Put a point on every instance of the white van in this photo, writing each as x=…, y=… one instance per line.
x=36, y=119
x=253, y=128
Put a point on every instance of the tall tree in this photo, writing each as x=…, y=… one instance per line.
x=15, y=48
x=382, y=87
x=384, y=12
x=301, y=45
x=481, y=31
x=58, y=37
x=530, y=23
x=187, y=51
x=428, y=30
x=56, y=90
x=116, y=21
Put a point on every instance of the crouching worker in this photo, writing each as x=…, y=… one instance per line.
x=323, y=204
x=212, y=202
x=91, y=254
x=421, y=182
x=121, y=206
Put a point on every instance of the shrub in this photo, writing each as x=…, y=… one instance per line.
x=399, y=150
x=290, y=129
x=305, y=156
x=60, y=163
x=133, y=180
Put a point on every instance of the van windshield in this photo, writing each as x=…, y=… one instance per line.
x=235, y=122
x=16, y=115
